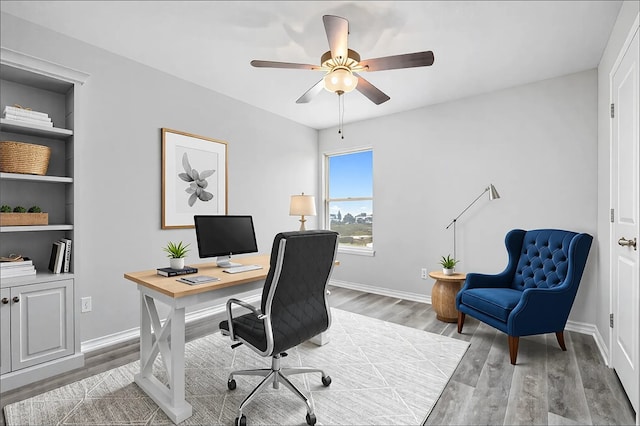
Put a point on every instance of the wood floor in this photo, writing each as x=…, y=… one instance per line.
x=548, y=386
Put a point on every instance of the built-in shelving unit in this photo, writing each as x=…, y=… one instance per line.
x=26, y=317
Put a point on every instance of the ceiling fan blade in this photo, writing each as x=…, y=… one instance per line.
x=409, y=60
x=374, y=94
x=273, y=64
x=337, y=30
x=311, y=93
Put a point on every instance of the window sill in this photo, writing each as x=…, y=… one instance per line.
x=357, y=251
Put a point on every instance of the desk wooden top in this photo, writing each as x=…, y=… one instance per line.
x=173, y=288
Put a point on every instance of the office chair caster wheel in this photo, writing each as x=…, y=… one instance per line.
x=231, y=384
x=241, y=421
x=311, y=419
x=326, y=380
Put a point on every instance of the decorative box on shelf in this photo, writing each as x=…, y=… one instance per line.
x=19, y=219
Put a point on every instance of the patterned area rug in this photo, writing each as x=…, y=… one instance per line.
x=382, y=374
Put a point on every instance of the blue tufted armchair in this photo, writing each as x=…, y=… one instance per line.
x=535, y=292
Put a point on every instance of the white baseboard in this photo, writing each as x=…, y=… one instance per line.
x=134, y=333
x=575, y=326
x=591, y=330
x=414, y=297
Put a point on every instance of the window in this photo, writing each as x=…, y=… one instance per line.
x=349, y=199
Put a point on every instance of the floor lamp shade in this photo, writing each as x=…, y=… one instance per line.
x=493, y=195
x=302, y=205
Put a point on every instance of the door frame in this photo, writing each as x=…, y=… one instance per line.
x=635, y=28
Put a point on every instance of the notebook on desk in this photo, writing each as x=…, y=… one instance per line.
x=200, y=279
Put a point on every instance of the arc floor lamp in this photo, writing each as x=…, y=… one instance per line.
x=493, y=195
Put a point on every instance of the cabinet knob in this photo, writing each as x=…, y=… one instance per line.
x=16, y=299
x=5, y=300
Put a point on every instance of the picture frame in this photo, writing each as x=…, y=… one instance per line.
x=194, y=178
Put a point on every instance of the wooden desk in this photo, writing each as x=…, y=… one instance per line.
x=168, y=339
x=443, y=294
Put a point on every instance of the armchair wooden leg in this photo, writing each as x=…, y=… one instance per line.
x=513, y=348
x=461, y=317
x=560, y=337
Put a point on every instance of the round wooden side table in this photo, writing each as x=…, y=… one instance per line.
x=443, y=294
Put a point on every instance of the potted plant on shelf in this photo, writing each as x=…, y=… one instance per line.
x=176, y=254
x=20, y=216
x=448, y=264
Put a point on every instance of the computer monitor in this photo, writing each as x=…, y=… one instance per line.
x=224, y=236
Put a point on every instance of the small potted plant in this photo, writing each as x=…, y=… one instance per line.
x=448, y=264
x=176, y=254
x=19, y=216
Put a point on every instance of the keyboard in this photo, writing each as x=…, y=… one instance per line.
x=243, y=268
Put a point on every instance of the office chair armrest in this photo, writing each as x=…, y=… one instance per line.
x=245, y=305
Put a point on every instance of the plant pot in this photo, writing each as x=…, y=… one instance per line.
x=22, y=219
x=177, y=263
x=448, y=271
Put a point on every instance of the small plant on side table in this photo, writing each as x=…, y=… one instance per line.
x=448, y=264
x=176, y=254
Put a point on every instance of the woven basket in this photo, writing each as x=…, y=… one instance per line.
x=20, y=157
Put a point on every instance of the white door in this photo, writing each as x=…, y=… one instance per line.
x=625, y=195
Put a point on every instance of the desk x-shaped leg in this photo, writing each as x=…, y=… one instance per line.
x=169, y=343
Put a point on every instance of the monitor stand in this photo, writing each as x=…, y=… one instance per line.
x=225, y=262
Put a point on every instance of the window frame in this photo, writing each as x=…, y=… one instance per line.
x=362, y=251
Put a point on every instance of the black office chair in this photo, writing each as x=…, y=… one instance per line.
x=294, y=308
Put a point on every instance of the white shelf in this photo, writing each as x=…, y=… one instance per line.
x=13, y=126
x=39, y=277
x=36, y=228
x=36, y=178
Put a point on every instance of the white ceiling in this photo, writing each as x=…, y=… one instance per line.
x=479, y=46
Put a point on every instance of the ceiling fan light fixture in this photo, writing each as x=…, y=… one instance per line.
x=340, y=80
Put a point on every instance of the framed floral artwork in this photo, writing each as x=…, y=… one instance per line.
x=194, y=178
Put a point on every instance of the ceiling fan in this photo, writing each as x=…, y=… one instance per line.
x=342, y=65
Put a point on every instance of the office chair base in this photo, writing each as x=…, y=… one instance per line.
x=274, y=376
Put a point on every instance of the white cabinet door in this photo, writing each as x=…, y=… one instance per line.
x=41, y=323
x=5, y=330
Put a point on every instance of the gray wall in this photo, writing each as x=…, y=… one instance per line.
x=628, y=13
x=123, y=105
x=536, y=143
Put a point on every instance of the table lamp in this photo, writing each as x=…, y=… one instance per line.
x=493, y=195
x=302, y=205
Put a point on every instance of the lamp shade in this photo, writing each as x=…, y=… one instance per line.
x=340, y=80
x=302, y=205
x=493, y=194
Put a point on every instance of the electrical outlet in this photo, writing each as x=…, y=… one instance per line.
x=86, y=304
x=423, y=273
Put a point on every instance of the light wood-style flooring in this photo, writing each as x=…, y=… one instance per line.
x=548, y=386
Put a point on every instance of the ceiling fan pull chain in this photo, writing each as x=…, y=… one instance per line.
x=341, y=115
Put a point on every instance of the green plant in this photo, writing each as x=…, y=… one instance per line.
x=5, y=209
x=176, y=251
x=35, y=209
x=448, y=262
x=19, y=209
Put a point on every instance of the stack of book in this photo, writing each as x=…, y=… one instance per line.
x=27, y=116
x=60, y=259
x=20, y=268
x=171, y=272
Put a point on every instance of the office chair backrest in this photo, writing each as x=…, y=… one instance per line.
x=295, y=291
x=544, y=257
